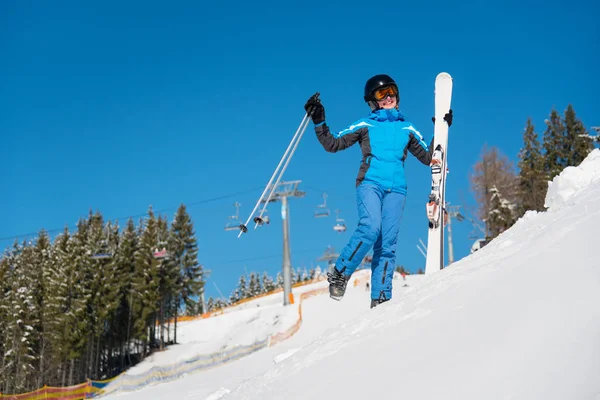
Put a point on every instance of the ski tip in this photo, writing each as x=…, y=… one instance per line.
x=443, y=75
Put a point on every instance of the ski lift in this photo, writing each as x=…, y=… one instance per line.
x=478, y=245
x=104, y=251
x=340, y=225
x=103, y=254
x=234, y=224
x=322, y=210
x=160, y=253
x=262, y=220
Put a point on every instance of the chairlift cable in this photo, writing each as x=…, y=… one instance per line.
x=199, y=202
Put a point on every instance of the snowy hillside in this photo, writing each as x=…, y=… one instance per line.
x=519, y=319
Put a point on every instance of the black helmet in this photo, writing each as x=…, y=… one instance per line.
x=374, y=83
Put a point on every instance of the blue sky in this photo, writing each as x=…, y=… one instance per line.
x=116, y=106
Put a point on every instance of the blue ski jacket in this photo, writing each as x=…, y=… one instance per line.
x=384, y=137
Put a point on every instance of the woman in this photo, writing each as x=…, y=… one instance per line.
x=384, y=137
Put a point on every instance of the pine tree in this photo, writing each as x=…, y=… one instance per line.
x=210, y=304
x=580, y=144
x=125, y=261
x=20, y=357
x=235, y=296
x=279, y=280
x=5, y=285
x=502, y=213
x=267, y=283
x=556, y=150
x=242, y=288
x=104, y=282
x=318, y=272
x=43, y=267
x=71, y=255
x=304, y=275
x=185, y=247
x=220, y=303
x=145, y=283
x=254, y=285
x=168, y=277
x=532, y=179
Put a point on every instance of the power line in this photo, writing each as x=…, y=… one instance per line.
x=195, y=203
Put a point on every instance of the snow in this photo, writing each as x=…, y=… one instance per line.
x=573, y=180
x=518, y=319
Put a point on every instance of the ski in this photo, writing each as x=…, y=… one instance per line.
x=436, y=205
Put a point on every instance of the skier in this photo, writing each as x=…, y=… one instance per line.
x=384, y=136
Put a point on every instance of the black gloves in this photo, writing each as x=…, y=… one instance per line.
x=447, y=118
x=318, y=111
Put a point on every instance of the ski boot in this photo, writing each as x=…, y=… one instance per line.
x=381, y=299
x=337, y=283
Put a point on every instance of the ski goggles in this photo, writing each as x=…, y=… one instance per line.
x=382, y=93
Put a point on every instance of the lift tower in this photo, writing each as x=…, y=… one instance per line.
x=281, y=192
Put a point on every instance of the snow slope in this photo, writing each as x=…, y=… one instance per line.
x=519, y=319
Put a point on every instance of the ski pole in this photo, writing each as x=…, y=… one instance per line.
x=303, y=129
x=297, y=135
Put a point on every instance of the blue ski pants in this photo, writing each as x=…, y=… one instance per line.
x=379, y=215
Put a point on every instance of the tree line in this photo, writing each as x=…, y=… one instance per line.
x=93, y=302
x=504, y=194
x=254, y=284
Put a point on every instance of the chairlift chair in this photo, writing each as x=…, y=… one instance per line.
x=340, y=225
x=322, y=210
x=262, y=220
x=479, y=244
x=103, y=253
x=233, y=223
x=160, y=253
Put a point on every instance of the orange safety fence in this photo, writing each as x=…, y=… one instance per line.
x=288, y=333
x=76, y=392
x=220, y=311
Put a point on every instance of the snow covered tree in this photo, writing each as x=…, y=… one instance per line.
x=125, y=260
x=220, y=303
x=267, y=283
x=502, y=214
x=145, y=282
x=279, y=280
x=168, y=277
x=533, y=183
x=493, y=170
x=74, y=309
x=21, y=321
x=254, y=287
x=104, y=288
x=304, y=275
x=235, y=296
x=242, y=288
x=44, y=272
x=210, y=304
x=318, y=272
